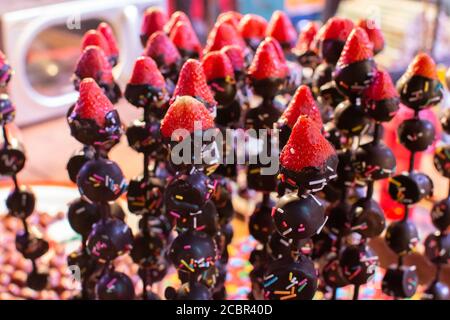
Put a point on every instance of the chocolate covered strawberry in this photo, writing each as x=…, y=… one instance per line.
x=332, y=37
x=374, y=33
x=301, y=104
x=177, y=16
x=5, y=70
x=192, y=82
x=355, y=68
x=93, y=120
x=95, y=38
x=253, y=29
x=381, y=97
x=236, y=56
x=223, y=34
x=304, y=48
x=186, y=41
x=161, y=49
x=308, y=161
x=280, y=27
x=268, y=70
x=154, y=20
x=107, y=32
x=147, y=87
x=419, y=87
x=220, y=77
x=93, y=63
x=186, y=113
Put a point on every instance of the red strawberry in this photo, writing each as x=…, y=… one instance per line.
x=108, y=34
x=422, y=65
x=95, y=38
x=306, y=147
x=253, y=26
x=374, y=34
x=236, y=56
x=267, y=63
x=302, y=104
x=336, y=29
x=277, y=47
x=146, y=71
x=184, y=38
x=223, y=34
x=357, y=48
x=381, y=88
x=217, y=65
x=280, y=27
x=161, y=49
x=192, y=82
x=94, y=64
x=231, y=17
x=306, y=37
x=92, y=103
x=186, y=113
x=154, y=20
x=177, y=16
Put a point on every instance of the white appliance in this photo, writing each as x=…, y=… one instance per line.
x=43, y=43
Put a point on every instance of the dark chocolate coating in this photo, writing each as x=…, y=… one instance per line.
x=228, y=115
x=416, y=134
x=12, y=159
x=146, y=196
x=193, y=251
x=147, y=250
x=358, y=263
x=83, y=261
x=77, y=161
x=374, y=162
x=330, y=97
x=189, y=291
x=109, y=239
x=436, y=291
x=298, y=217
x=437, y=247
x=224, y=91
x=37, y=281
x=308, y=59
x=367, y=218
x=5, y=74
x=155, y=272
x=30, y=246
x=417, y=92
x=258, y=181
x=400, y=282
x=350, y=118
x=259, y=256
x=263, y=116
x=445, y=120
x=440, y=214
x=409, y=188
x=205, y=220
x=82, y=215
x=145, y=137
x=279, y=247
x=7, y=110
x=287, y=279
x=87, y=131
x=156, y=225
x=101, y=180
x=330, y=50
x=323, y=243
x=267, y=88
x=187, y=193
x=382, y=110
x=21, y=202
x=354, y=78
x=155, y=100
x=442, y=160
x=260, y=223
x=226, y=212
x=339, y=218
x=332, y=274
x=311, y=179
x=402, y=237
x=322, y=74
x=114, y=286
